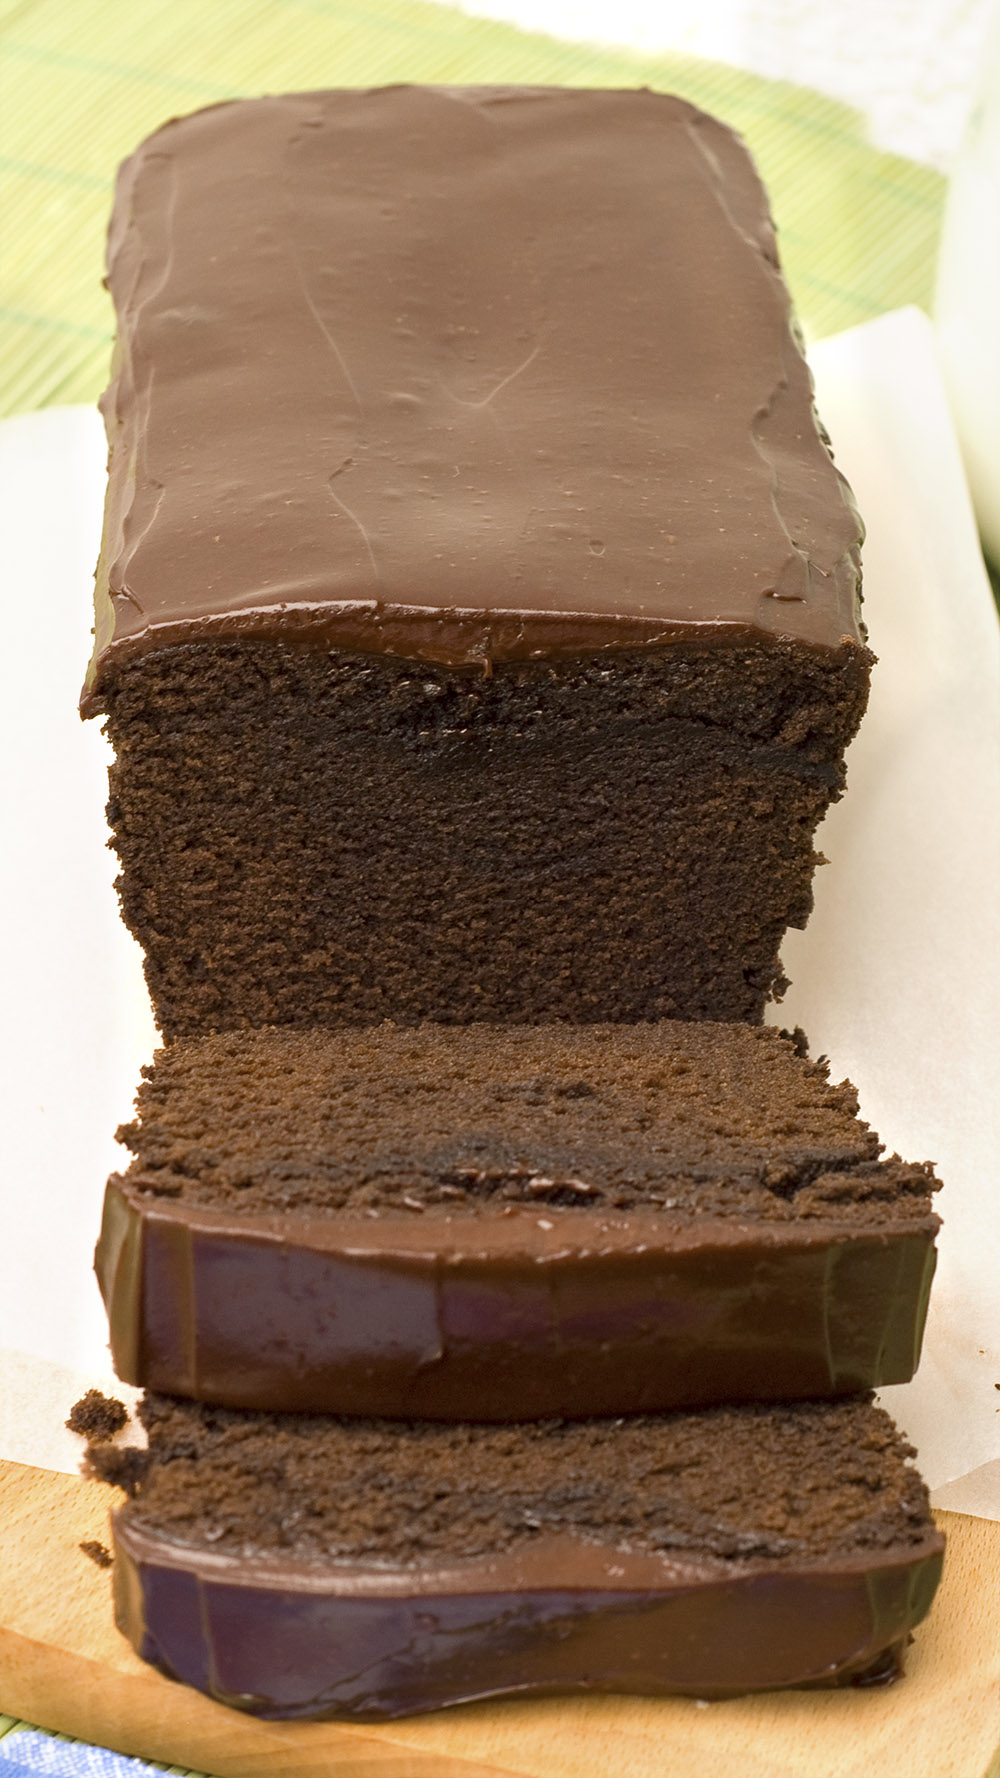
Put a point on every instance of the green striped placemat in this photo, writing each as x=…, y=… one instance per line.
x=81, y=81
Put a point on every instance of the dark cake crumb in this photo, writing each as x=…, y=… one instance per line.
x=98, y=1552
x=259, y=788
x=122, y=1466
x=96, y=1416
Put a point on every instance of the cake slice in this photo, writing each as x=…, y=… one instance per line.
x=477, y=618
x=499, y=1223
x=306, y=1567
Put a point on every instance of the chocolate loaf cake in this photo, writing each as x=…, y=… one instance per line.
x=307, y=1567
x=498, y=1223
x=477, y=617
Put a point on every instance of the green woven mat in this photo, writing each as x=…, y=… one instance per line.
x=82, y=80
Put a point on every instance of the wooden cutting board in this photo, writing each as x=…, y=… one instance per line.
x=64, y=1666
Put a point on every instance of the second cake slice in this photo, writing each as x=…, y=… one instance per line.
x=496, y=1224
x=303, y=1566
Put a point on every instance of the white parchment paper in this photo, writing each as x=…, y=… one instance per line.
x=896, y=978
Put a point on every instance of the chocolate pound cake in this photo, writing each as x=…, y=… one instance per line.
x=498, y=1223
x=477, y=618
x=307, y=1567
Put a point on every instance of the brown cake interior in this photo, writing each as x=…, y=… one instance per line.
x=728, y=1120
x=309, y=837
x=785, y=1484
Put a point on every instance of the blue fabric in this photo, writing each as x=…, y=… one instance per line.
x=29, y=1753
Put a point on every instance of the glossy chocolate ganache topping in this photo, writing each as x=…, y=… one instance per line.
x=460, y=375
